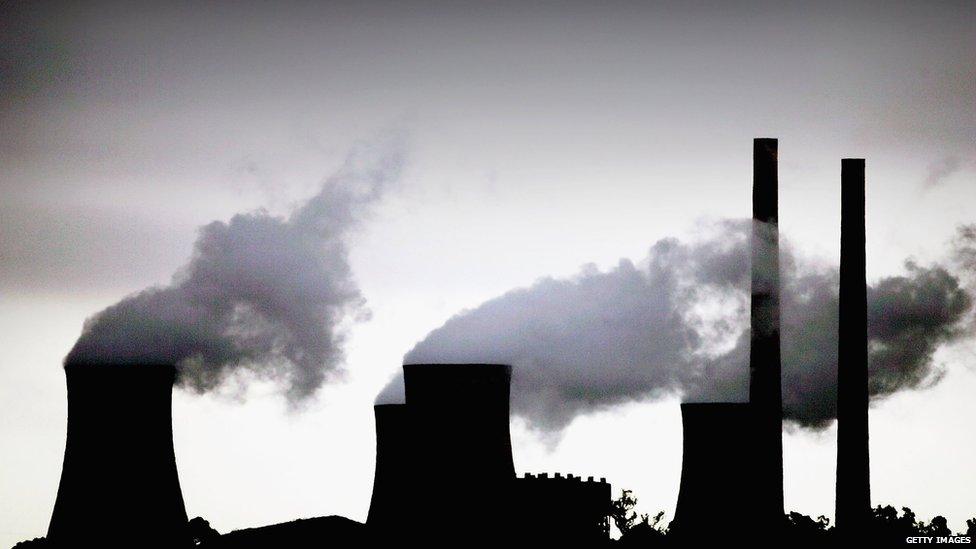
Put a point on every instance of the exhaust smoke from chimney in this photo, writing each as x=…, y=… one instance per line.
x=262, y=294
x=677, y=324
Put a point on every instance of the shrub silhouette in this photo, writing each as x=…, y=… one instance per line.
x=36, y=543
x=622, y=513
x=201, y=532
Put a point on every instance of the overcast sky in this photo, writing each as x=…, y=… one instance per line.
x=539, y=137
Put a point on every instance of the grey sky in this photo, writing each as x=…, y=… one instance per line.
x=543, y=136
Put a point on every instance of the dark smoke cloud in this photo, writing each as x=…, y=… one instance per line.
x=678, y=325
x=262, y=294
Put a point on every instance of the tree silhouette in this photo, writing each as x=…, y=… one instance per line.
x=887, y=525
x=201, y=532
x=801, y=530
x=938, y=527
x=636, y=532
x=647, y=532
x=622, y=511
x=36, y=543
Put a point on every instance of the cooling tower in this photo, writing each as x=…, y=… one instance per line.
x=119, y=485
x=853, y=502
x=459, y=415
x=391, y=489
x=718, y=469
x=765, y=381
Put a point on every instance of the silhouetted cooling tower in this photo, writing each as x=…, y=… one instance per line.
x=391, y=499
x=459, y=416
x=853, y=502
x=718, y=469
x=765, y=381
x=119, y=484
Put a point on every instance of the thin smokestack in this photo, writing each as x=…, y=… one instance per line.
x=765, y=381
x=853, y=505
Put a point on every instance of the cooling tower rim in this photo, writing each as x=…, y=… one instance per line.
x=446, y=374
x=96, y=373
x=390, y=406
x=715, y=405
x=468, y=366
x=118, y=365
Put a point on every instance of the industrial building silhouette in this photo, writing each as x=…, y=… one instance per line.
x=445, y=473
x=562, y=511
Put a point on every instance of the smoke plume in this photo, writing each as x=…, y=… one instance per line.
x=941, y=170
x=262, y=294
x=964, y=249
x=678, y=324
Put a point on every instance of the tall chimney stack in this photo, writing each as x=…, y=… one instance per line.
x=853, y=503
x=119, y=484
x=765, y=383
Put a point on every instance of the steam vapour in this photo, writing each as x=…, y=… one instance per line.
x=678, y=324
x=262, y=294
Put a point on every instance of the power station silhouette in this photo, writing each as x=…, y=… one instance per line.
x=448, y=448
x=445, y=473
x=455, y=437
